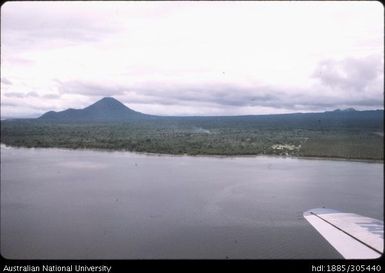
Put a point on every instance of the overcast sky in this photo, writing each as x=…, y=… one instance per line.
x=192, y=58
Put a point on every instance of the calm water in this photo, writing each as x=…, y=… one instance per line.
x=63, y=204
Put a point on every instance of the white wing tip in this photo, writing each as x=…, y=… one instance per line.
x=320, y=211
x=352, y=235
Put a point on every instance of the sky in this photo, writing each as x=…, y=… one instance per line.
x=192, y=58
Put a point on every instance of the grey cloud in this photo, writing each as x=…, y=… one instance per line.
x=40, y=24
x=325, y=103
x=9, y=104
x=150, y=93
x=51, y=96
x=6, y=81
x=221, y=95
x=31, y=94
x=14, y=95
x=17, y=60
x=350, y=74
x=89, y=89
x=267, y=96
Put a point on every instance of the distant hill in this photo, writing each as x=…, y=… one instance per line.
x=343, y=110
x=106, y=109
x=109, y=109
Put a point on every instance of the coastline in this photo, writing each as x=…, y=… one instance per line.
x=3, y=145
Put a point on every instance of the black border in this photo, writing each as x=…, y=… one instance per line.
x=234, y=265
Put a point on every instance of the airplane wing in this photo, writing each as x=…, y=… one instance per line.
x=352, y=235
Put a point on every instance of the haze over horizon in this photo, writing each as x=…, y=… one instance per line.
x=192, y=58
x=106, y=104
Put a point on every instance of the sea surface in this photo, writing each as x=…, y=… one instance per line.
x=85, y=204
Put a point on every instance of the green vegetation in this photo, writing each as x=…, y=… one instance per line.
x=207, y=136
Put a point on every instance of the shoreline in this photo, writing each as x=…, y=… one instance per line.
x=3, y=145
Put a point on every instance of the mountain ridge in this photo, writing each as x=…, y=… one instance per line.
x=109, y=109
x=105, y=109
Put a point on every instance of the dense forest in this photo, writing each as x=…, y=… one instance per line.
x=350, y=135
